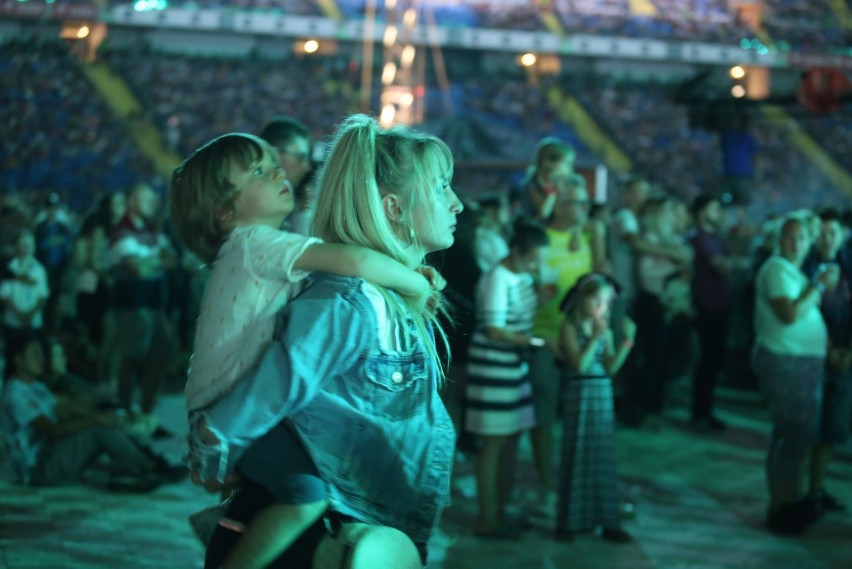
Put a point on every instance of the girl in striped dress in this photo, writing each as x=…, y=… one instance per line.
x=588, y=484
x=498, y=394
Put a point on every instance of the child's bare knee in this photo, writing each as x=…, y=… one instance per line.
x=367, y=547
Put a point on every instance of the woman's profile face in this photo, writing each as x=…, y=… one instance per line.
x=434, y=218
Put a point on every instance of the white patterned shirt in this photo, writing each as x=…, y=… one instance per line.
x=251, y=280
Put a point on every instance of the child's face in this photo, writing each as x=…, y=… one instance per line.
x=596, y=305
x=530, y=262
x=265, y=196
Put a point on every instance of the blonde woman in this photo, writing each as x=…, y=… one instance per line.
x=353, y=373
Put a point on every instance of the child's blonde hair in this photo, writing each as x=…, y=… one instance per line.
x=366, y=163
x=201, y=196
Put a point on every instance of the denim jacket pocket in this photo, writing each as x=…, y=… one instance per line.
x=398, y=384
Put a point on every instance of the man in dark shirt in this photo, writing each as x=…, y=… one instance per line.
x=712, y=299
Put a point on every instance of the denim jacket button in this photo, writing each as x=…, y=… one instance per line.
x=396, y=377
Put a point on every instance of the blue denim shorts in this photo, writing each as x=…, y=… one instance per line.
x=278, y=462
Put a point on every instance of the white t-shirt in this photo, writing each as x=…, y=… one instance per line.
x=624, y=224
x=251, y=280
x=807, y=336
x=653, y=270
x=24, y=296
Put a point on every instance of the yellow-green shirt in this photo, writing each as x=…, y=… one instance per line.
x=566, y=267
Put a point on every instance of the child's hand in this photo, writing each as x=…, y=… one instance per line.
x=436, y=281
x=214, y=486
x=599, y=326
x=628, y=328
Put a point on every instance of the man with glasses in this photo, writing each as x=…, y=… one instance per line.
x=292, y=140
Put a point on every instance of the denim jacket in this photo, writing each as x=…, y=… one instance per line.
x=372, y=420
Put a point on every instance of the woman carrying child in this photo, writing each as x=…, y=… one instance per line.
x=347, y=388
x=588, y=484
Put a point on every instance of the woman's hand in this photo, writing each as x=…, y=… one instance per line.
x=828, y=276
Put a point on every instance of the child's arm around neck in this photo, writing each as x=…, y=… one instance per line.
x=361, y=262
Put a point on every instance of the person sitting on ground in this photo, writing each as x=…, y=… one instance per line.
x=52, y=443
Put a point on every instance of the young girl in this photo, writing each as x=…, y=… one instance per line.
x=227, y=201
x=589, y=494
x=499, y=394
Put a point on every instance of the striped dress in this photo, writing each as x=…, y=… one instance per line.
x=498, y=393
x=588, y=486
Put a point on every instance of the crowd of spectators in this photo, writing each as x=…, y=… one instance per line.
x=800, y=26
x=834, y=134
x=806, y=26
x=688, y=271
x=59, y=134
x=656, y=133
x=176, y=93
x=60, y=129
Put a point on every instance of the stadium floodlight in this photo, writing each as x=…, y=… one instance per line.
x=407, y=57
x=388, y=73
x=311, y=46
x=390, y=36
x=528, y=59
x=387, y=115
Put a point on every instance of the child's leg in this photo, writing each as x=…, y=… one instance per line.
x=280, y=465
x=271, y=532
x=488, y=476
